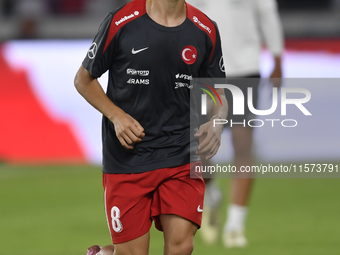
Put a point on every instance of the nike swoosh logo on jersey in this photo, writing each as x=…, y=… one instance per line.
x=199, y=209
x=137, y=51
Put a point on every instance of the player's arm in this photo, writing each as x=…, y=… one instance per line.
x=128, y=130
x=270, y=25
x=208, y=146
x=210, y=135
x=98, y=60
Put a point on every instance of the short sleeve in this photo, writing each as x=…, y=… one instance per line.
x=215, y=67
x=101, y=52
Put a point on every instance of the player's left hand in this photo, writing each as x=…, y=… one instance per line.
x=209, y=139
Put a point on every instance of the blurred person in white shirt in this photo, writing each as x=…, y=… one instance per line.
x=30, y=12
x=244, y=25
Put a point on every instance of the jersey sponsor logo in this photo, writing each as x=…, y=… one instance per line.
x=138, y=81
x=183, y=85
x=125, y=18
x=221, y=64
x=189, y=54
x=92, y=51
x=137, y=72
x=199, y=209
x=184, y=77
x=133, y=51
x=196, y=20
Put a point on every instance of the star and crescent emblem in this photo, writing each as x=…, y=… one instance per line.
x=189, y=54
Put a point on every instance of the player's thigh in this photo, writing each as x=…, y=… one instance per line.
x=178, y=234
x=138, y=246
x=107, y=250
x=180, y=195
x=128, y=206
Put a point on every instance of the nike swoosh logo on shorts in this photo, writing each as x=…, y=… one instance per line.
x=199, y=209
x=137, y=51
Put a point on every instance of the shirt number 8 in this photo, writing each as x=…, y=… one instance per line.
x=116, y=223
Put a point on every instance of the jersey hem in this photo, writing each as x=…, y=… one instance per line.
x=151, y=167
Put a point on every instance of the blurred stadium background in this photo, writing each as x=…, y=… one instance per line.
x=50, y=145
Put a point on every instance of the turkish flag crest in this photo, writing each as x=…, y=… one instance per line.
x=189, y=54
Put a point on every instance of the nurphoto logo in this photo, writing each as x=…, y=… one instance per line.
x=239, y=105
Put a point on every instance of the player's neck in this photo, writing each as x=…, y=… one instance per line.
x=169, y=13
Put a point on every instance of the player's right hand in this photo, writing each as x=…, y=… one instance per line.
x=128, y=130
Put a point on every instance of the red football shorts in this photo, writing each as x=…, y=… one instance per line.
x=132, y=201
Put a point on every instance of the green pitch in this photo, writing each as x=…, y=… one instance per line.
x=58, y=210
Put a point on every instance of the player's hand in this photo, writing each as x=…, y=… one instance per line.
x=128, y=130
x=276, y=76
x=209, y=139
